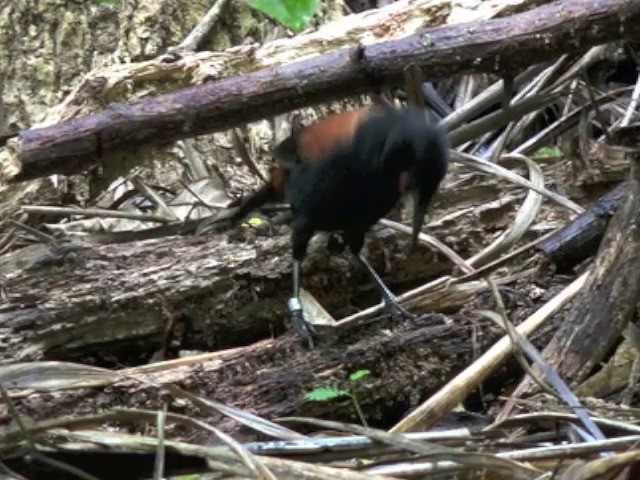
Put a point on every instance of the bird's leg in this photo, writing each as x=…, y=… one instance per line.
x=388, y=297
x=304, y=328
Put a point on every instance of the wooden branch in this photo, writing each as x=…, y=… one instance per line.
x=601, y=312
x=580, y=238
x=79, y=298
x=490, y=46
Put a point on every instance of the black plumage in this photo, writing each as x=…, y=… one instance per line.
x=357, y=181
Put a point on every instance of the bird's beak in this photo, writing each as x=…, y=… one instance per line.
x=420, y=205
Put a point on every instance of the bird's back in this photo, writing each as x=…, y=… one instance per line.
x=347, y=189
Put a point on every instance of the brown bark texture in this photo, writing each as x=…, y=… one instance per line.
x=580, y=238
x=408, y=362
x=499, y=45
x=608, y=301
x=78, y=301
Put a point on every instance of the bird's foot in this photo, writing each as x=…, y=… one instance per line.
x=397, y=311
x=304, y=328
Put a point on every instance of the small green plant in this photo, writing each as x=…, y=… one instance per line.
x=293, y=14
x=323, y=394
x=548, y=152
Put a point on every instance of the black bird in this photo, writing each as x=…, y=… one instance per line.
x=345, y=172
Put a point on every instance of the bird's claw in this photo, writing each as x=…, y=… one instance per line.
x=397, y=311
x=304, y=328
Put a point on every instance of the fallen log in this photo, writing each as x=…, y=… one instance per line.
x=579, y=239
x=608, y=301
x=494, y=46
x=102, y=301
x=408, y=361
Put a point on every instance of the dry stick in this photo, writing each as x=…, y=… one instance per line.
x=195, y=37
x=161, y=417
x=488, y=97
x=432, y=242
x=631, y=109
x=533, y=88
x=525, y=216
x=36, y=233
x=421, y=469
x=527, y=419
x=153, y=197
x=457, y=389
x=568, y=120
x=211, y=207
x=34, y=454
x=481, y=271
x=495, y=169
x=225, y=459
x=564, y=392
x=440, y=283
x=495, y=149
x=473, y=460
x=244, y=154
x=501, y=319
x=598, y=112
x=93, y=212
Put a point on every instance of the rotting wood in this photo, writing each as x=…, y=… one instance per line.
x=580, y=238
x=601, y=311
x=408, y=361
x=226, y=292
x=491, y=45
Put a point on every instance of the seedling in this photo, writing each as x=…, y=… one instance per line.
x=323, y=394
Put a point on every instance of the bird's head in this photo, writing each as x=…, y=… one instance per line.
x=417, y=152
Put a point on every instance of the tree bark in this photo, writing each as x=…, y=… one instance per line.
x=497, y=46
x=408, y=362
x=580, y=238
x=102, y=301
x=601, y=312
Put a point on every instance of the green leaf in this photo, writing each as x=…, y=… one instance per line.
x=108, y=2
x=325, y=393
x=359, y=374
x=293, y=14
x=548, y=152
x=254, y=221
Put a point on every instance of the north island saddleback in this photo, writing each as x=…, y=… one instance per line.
x=345, y=172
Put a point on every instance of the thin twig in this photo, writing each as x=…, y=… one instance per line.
x=207, y=205
x=564, y=392
x=153, y=197
x=453, y=392
x=161, y=417
x=633, y=104
x=244, y=154
x=34, y=454
x=596, y=106
x=195, y=37
x=93, y=212
x=432, y=242
x=36, y=233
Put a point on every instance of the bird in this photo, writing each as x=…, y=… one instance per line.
x=345, y=172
